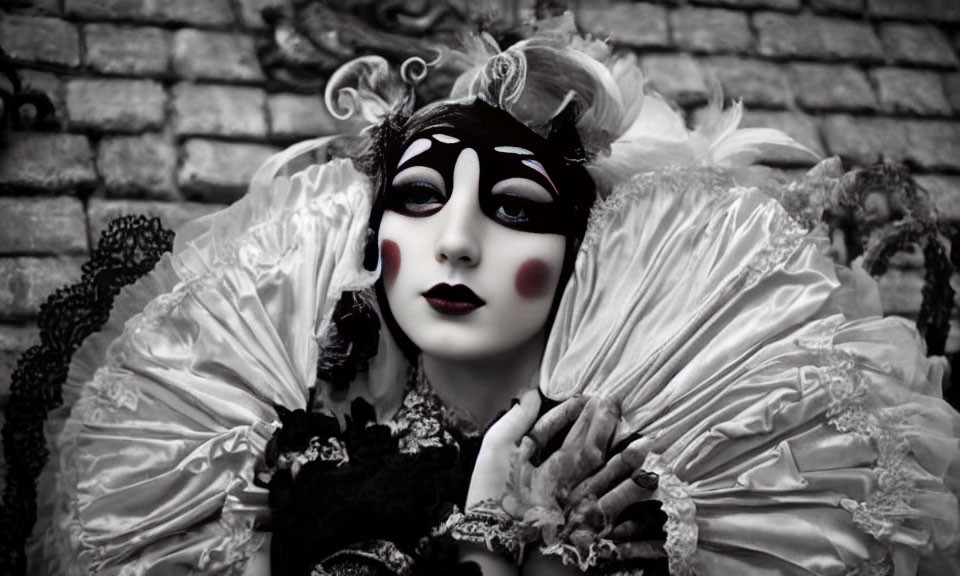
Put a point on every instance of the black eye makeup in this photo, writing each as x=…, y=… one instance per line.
x=516, y=190
x=417, y=191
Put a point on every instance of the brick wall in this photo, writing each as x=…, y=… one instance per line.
x=163, y=109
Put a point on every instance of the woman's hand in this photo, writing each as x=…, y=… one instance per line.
x=499, y=449
x=489, y=480
x=592, y=493
x=615, y=503
x=545, y=474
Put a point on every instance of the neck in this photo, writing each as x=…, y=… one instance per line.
x=484, y=387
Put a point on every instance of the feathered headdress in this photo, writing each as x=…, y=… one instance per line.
x=625, y=128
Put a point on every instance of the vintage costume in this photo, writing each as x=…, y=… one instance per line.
x=794, y=430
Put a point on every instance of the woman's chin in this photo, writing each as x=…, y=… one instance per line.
x=462, y=344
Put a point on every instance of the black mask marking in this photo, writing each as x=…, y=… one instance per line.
x=484, y=129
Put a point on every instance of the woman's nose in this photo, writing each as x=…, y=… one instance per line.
x=459, y=239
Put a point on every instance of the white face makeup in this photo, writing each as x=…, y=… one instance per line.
x=500, y=281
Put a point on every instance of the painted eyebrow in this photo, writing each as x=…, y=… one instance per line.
x=513, y=150
x=418, y=147
x=530, y=163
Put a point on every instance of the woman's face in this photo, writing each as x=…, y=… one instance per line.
x=471, y=246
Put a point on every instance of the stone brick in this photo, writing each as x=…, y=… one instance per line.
x=205, y=13
x=931, y=145
x=140, y=51
x=215, y=56
x=786, y=5
x=101, y=212
x=42, y=226
x=15, y=339
x=139, y=166
x=845, y=6
x=39, y=7
x=904, y=91
x=219, y=110
x=676, y=76
x=934, y=145
x=756, y=82
x=627, y=23
x=826, y=87
x=917, y=44
x=711, y=30
x=942, y=10
x=944, y=193
x=220, y=171
x=25, y=283
x=40, y=40
x=951, y=85
x=901, y=292
x=115, y=105
x=805, y=36
x=49, y=162
x=251, y=11
x=800, y=127
x=860, y=141
x=296, y=116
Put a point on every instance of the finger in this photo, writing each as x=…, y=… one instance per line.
x=618, y=468
x=561, y=416
x=594, y=428
x=584, y=447
x=641, y=550
x=515, y=423
x=612, y=473
x=528, y=449
x=649, y=481
x=636, y=452
x=590, y=436
x=628, y=492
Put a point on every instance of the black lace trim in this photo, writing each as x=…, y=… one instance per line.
x=128, y=250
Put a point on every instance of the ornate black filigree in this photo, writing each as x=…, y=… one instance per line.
x=882, y=211
x=21, y=107
x=128, y=249
x=311, y=38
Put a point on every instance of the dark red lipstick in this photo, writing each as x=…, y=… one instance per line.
x=453, y=300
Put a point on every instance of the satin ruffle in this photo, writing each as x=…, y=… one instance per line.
x=168, y=409
x=791, y=438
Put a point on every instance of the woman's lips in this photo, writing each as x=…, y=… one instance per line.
x=453, y=300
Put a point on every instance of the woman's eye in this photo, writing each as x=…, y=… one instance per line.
x=417, y=198
x=416, y=191
x=511, y=210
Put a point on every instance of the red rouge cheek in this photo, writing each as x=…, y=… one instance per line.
x=532, y=278
x=390, y=253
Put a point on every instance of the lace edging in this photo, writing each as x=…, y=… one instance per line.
x=884, y=510
x=681, y=525
x=881, y=567
x=240, y=541
x=571, y=556
x=678, y=178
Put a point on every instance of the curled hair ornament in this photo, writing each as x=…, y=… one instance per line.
x=365, y=86
x=409, y=75
x=504, y=77
x=414, y=70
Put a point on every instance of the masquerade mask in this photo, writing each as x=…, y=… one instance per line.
x=526, y=183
